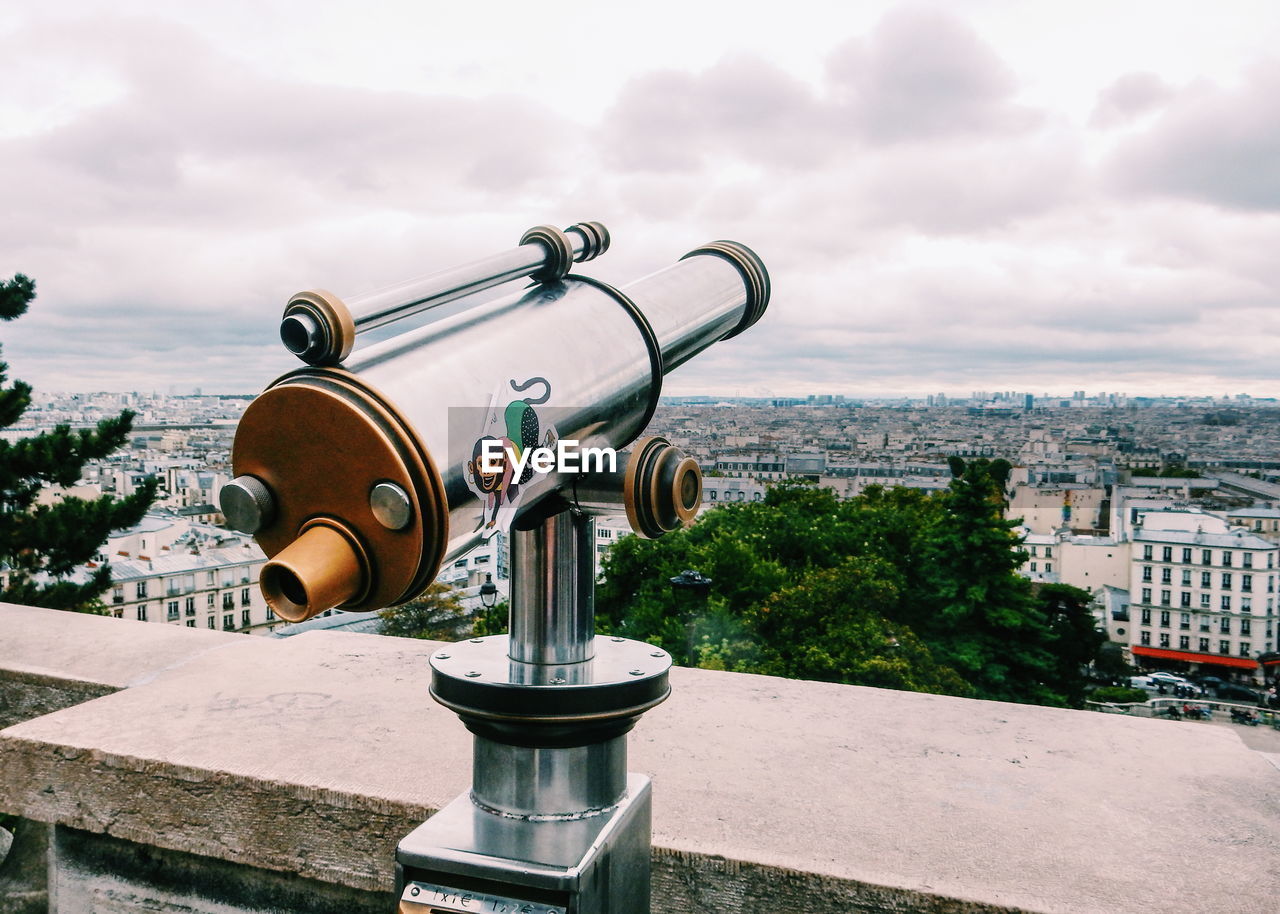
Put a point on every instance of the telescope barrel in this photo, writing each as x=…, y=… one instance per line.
x=384, y=452
x=320, y=328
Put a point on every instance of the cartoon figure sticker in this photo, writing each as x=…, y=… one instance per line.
x=509, y=430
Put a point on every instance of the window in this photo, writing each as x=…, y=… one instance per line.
x=1146, y=553
x=1206, y=579
x=1146, y=638
x=173, y=610
x=1184, y=643
x=1246, y=605
x=1224, y=647
x=1206, y=556
x=191, y=606
x=1226, y=580
x=228, y=600
x=1166, y=554
x=1244, y=648
x=1186, y=578
x=270, y=614
x=1166, y=575
x=1164, y=618
x=1226, y=602
x=117, y=594
x=1224, y=626
x=244, y=618
x=1185, y=597
x=1146, y=574
x=1186, y=556
x=1204, y=601
x=1246, y=559
x=1146, y=595
x=1204, y=623
x=1184, y=621
x=228, y=622
x=1164, y=640
x=1033, y=566
x=142, y=590
x=1246, y=627
x=210, y=600
x=1146, y=617
x=482, y=560
x=212, y=622
x=244, y=598
x=142, y=613
x=1226, y=559
x=208, y=582
x=191, y=623
x=1048, y=567
x=1204, y=645
x=1166, y=598
x=1246, y=582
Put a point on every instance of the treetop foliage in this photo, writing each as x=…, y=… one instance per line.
x=894, y=588
x=43, y=543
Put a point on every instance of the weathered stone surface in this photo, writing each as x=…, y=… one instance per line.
x=104, y=875
x=313, y=755
x=52, y=660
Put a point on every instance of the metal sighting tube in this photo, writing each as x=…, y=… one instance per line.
x=552, y=591
x=602, y=363
x=320, y=328
x=374, y=309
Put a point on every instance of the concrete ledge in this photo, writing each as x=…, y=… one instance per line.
x=51, y=660
x=313, y=755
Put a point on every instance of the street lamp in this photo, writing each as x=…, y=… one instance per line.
x=694, y=583
x=488, y=592
x=695, y=586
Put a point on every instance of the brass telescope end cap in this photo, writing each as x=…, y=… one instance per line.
x=318, y=328
x=754, y=276
x=662, y=488
x=323, y=568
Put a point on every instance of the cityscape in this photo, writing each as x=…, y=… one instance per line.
x=1086, y=488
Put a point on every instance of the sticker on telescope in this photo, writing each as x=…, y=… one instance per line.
x=427, y=898
x=500, y=465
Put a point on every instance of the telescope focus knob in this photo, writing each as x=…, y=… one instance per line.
x=247, y=504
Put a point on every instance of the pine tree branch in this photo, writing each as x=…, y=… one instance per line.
x=15, y=295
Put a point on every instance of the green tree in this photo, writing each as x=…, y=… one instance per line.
x=1074, y=639
x=436, y=615
x=832, y=626
x=43, y=544
x=985, y=623
x=895, y=588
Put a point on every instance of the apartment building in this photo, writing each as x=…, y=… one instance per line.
x=1204, y=597
x=199, y=582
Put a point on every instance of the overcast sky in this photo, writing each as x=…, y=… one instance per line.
x=1042, y=196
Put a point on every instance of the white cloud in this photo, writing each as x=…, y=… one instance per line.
x=946, y=197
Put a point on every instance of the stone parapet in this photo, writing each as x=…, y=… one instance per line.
x=311, y=756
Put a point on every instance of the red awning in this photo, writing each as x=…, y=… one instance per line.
x=1243, y=663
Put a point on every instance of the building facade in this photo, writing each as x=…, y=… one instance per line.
x=1203, y=599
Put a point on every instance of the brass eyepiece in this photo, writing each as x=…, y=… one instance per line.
x=324, y=567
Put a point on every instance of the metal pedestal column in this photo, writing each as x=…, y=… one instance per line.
x=553, y=823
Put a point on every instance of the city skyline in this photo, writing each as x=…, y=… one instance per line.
x=949, y=197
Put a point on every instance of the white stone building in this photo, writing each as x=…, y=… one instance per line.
x=1203, y=597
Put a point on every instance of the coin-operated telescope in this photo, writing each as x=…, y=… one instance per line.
x=360, y=474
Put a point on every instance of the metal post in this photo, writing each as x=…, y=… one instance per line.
x=553, y=823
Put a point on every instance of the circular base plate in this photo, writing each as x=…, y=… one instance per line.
x=477, y=679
